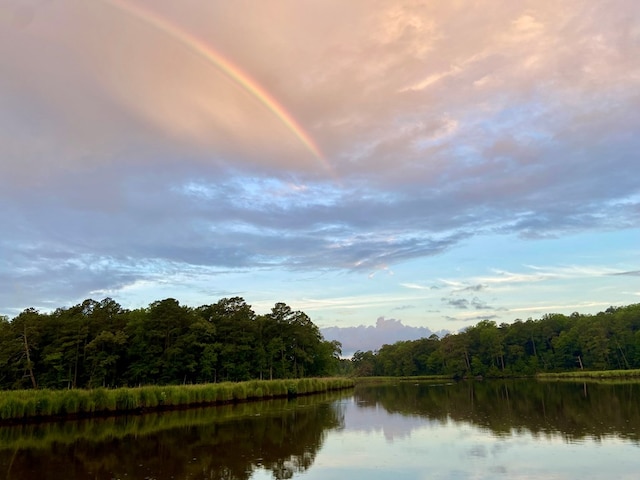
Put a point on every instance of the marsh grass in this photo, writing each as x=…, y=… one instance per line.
x=591, y=374
x=19, y=405
x=42, y=436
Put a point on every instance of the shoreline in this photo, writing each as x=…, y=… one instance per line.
x=39, y=406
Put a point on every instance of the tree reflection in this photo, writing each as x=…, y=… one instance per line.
x=573, y=410
x=228, y=442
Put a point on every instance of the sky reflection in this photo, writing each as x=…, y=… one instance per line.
x=376, y=444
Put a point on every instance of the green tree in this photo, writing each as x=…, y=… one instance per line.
x=455, y=355
x=235, y=327
x=364, y=363
x=157, y=352
x=24, y=348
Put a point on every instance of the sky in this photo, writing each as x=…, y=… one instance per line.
x=398, y=164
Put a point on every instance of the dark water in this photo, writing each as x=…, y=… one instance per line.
x=468, y=430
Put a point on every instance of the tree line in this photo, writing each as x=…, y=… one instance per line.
x=609, y=340
x=99, y=343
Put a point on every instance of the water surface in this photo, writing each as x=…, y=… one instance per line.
x=466, y=430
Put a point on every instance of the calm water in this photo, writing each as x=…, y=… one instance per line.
x=469, y=430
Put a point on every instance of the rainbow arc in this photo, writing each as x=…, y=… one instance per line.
x=205, y=51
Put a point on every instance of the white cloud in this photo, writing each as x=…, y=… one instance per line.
x=364, y=338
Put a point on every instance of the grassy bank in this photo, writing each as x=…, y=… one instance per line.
x=98, y=430
x=19, y=405
x=591, y=374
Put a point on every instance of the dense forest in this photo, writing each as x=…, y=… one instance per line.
x=608, y=340
x=96, y=344
x=102, y=344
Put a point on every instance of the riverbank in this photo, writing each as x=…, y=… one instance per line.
x=46, y=435
x=36, y=405
x=573, y=375
x=591, y=374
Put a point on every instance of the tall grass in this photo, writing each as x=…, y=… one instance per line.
x=595, y=374
x=17, y=405
x=43, y=436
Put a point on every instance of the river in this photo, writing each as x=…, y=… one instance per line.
x=521, y=429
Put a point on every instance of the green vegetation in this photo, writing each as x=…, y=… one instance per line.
x=44, y=436
x=609, y=340
x=100, y=344
x=42, y=403
x=592, y=374
x=229, y=441
x=510, y=406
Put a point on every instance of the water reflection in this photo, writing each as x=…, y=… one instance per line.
x=229, y=442
x=485, y=430
x=573, y=410
x=479, y=430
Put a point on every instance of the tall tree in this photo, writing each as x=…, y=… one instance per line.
x=235, y=329
x=156, y=352
x=24, y=348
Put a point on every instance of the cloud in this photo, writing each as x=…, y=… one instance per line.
x=415, y=286
x=535, y=274
x=464, y=304
x=404, y=307
x=460, y=303
x=364, y=338
x=473, y=318
x=473, y=288
x=632, y=273
x=556, y=307
x=480, y=304
x=438, y=122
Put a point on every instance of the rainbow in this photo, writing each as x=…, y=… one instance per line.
x=206, y=52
